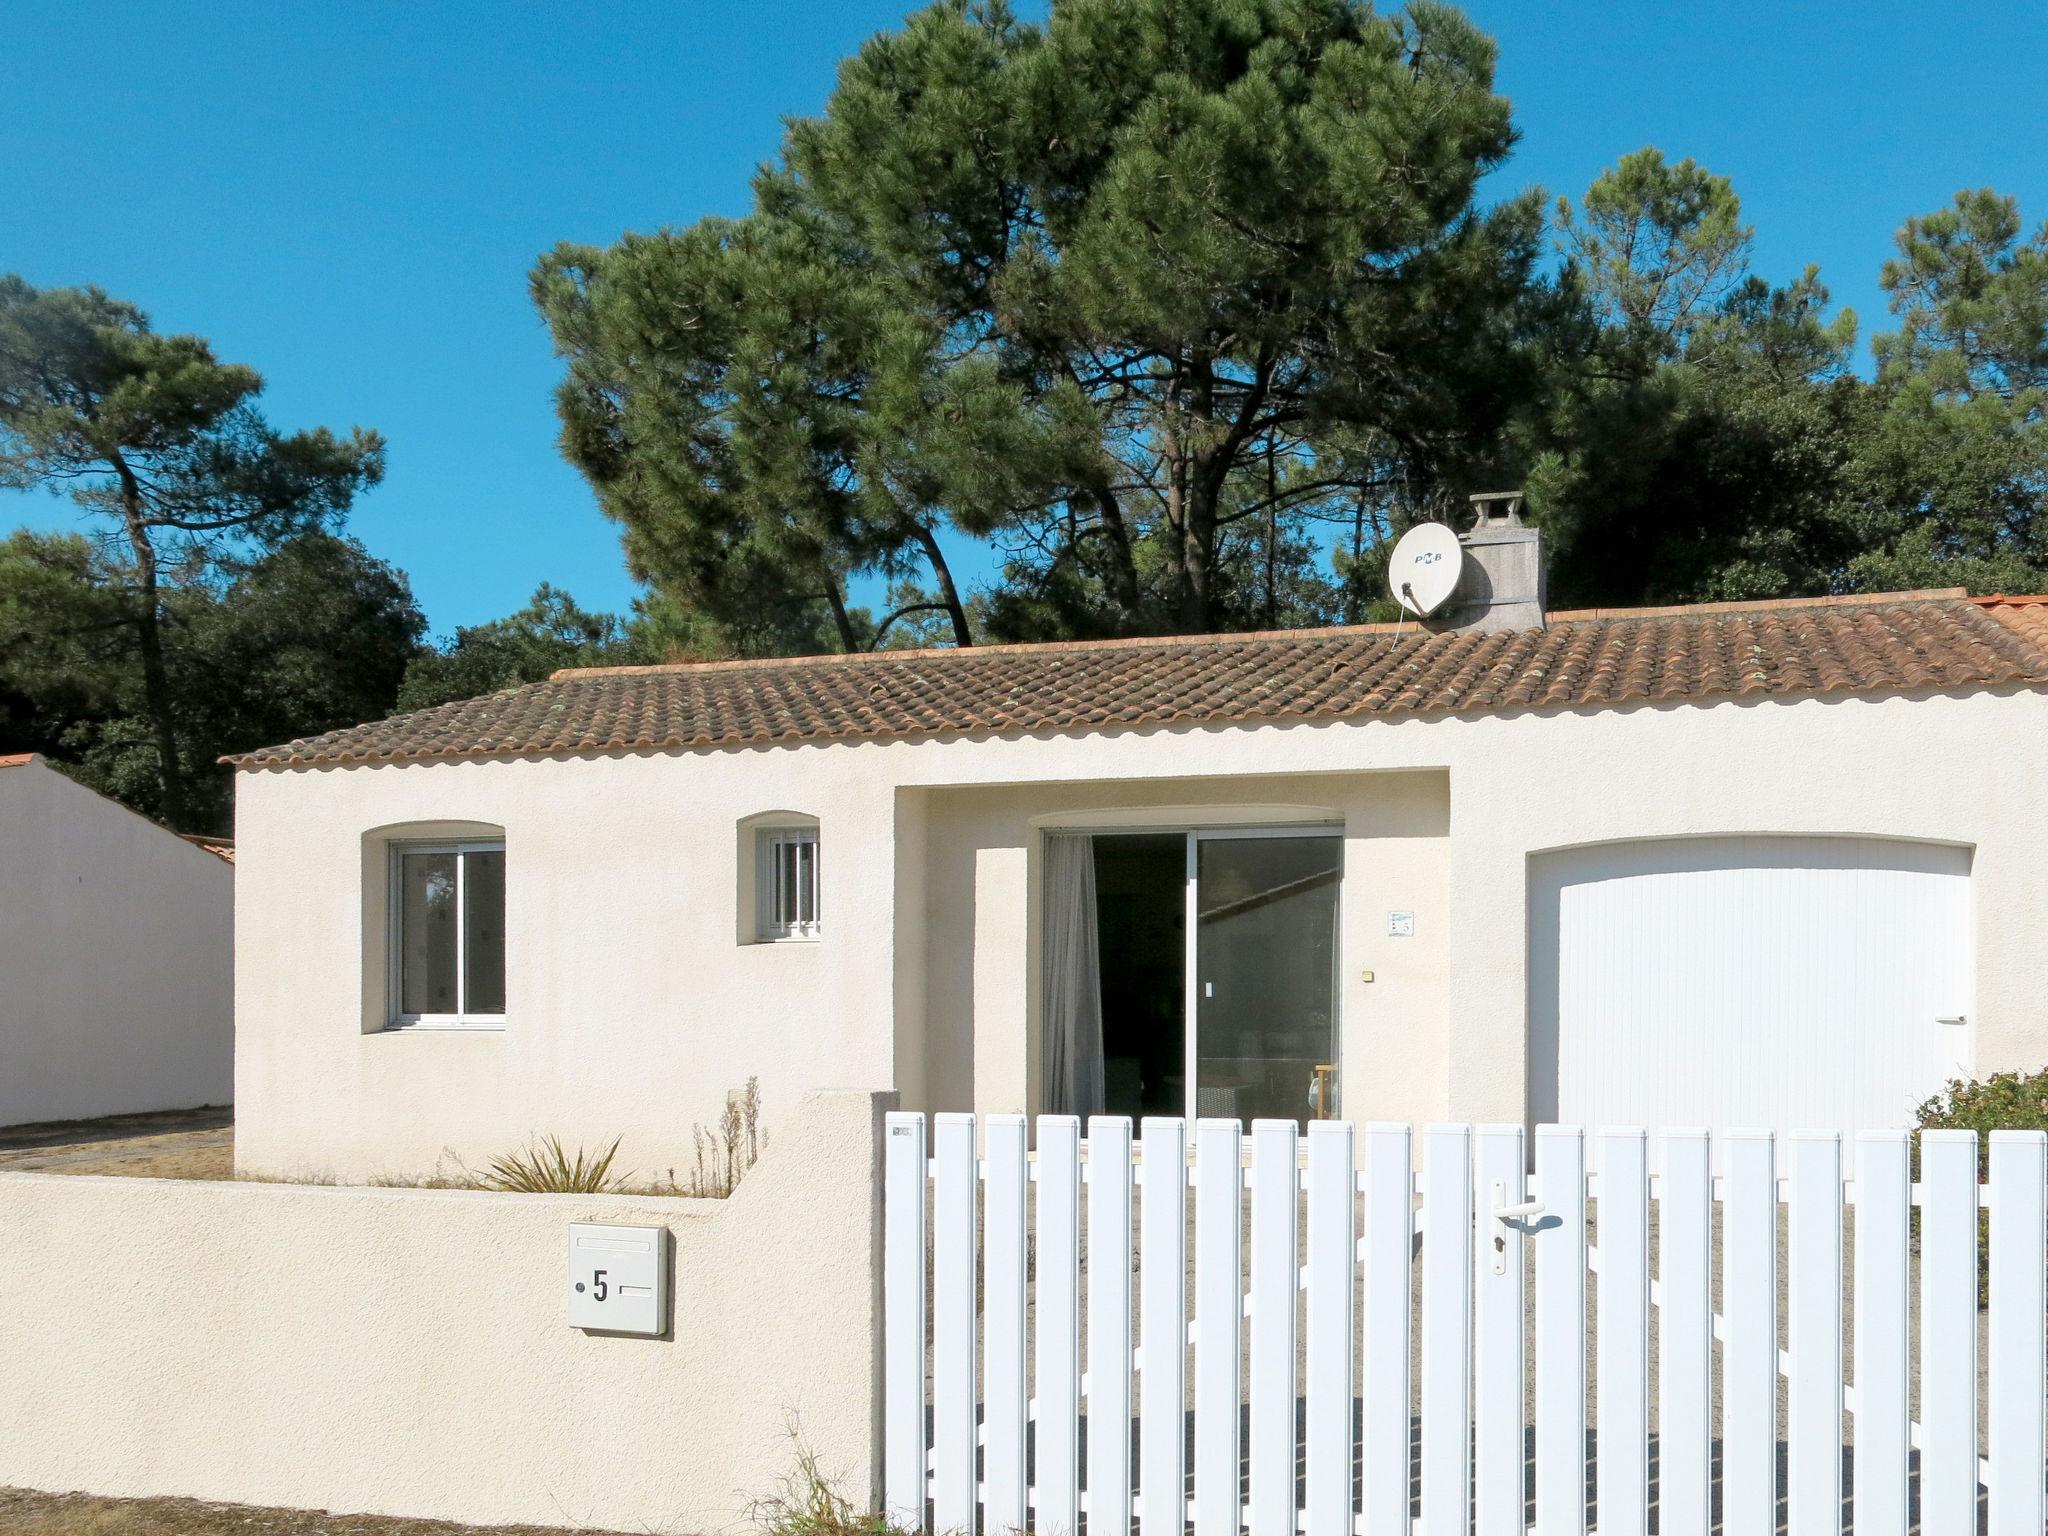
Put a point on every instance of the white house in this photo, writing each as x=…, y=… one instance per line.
x=1776, y=864
x=116, y=956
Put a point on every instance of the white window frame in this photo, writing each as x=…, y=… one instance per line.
x=805, y=923
x=395, y=934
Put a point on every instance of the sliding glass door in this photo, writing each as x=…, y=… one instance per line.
x=1262, y=971
x=1209, y=987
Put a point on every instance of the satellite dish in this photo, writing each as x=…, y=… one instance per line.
x=1425, y=567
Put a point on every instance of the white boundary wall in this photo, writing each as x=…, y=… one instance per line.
x=405, y=1351
x=117, y=957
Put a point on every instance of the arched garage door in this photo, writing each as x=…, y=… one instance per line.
x=1782, y=982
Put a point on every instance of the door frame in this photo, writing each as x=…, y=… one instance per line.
x=1194, y=837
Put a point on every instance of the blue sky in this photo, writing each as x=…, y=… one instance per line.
x=349, y=197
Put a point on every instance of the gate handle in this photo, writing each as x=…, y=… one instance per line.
x=1502, y=1215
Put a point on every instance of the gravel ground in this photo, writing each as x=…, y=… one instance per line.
x=169, y=1144
x=23, y=1513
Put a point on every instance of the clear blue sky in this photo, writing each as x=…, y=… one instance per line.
x=349, y=197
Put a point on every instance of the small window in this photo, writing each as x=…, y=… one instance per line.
x=448, y=934
x=786, y=882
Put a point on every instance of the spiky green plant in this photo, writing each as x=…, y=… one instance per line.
x=544, y=1167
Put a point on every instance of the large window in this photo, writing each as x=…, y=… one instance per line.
x=448, y=934
x=786, y=882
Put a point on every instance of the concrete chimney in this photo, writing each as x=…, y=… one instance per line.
x=1503, y=582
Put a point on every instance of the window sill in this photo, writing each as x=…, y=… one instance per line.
x=440, y=1027
x=783, y=941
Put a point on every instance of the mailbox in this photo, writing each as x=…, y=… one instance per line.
x=618, y=1278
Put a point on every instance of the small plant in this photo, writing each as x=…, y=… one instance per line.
x=807, y=1504
x=544, y=1167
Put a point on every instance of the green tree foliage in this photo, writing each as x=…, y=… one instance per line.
x=1692, y=444
x=554, y=632
x=310, y=635
x=1711, y=439
x=1660, y=247
x=1154, y=297
x=548, y=634
x=1958, y=471
x=306, y=635
x=164, y=446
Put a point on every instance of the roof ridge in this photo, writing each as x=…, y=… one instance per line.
x=1231, y=637
x=1002, y=648
x=1766, y=605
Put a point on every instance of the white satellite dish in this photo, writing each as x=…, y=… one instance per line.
x=1425, y=567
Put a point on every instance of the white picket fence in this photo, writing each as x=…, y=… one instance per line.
x=1288, y=1393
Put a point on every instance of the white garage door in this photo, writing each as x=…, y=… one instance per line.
x=1788, y=983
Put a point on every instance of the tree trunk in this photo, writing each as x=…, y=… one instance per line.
x=1272, y=539
x=848, y=641
x=174, y=802
x=1198, y=482
x=949, y=595
x=1123, y=565
x=1190, y=601
x=1198, y=539
x=1354, y=610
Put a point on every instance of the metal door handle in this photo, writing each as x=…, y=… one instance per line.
x=1502, y=1215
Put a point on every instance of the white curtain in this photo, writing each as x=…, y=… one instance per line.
x=1070, y=980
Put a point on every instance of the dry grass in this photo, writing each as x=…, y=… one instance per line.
x=23, y=1513
x=200, y=1144
x=171, y=1144
x=724, y=1154
x=808, y=1503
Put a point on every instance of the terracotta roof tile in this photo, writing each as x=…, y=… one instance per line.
x=2028, y=615
x=222, y=848
x=1901, y=643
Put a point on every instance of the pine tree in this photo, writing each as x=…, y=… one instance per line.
x=1144, y=295
x=165, y=445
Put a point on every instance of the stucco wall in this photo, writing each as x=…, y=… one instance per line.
x=116, y=957
x=633, y=1009
x=408, y=1352
x=632, y=1006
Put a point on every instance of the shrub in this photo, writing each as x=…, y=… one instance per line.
x=2005, y=1101
x=544, y=1167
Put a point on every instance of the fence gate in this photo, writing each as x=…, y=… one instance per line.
x=1157, y=1338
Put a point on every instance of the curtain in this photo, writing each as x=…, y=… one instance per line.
x=1070, y=980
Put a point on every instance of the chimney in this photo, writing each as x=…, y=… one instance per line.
x=1502, y=584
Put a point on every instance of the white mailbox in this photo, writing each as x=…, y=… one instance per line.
x=618, y=1278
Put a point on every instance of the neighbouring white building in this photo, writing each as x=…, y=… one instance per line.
x=1781, y=864
x=117, y=943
